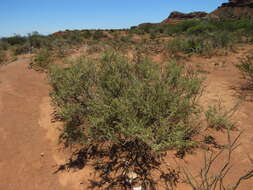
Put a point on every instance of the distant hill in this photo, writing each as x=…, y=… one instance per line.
x=176, y=16
x=234, y=9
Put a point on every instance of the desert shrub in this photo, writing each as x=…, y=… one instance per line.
x=42, y=60
x=137, y=31
x=246, y=67
x=126, y=39
x=15, y=40
x=2, y=57
x=221, y=39
x=37, y=40
x=98, y=34
x=21, y=49
x=4, y=45
x=87, y=34
x=211, y=176
x=181, y=27
x=94, y=49
x=115, y=101
x=194, y=45
x=147, y=27
x=174, y=46
x=188, y=45
x=200, y=29
x=219, y=118
x=233, y=25
x=61, y=47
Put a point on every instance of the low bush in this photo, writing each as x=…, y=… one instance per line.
x=4, y=45
x=213, y=177
x=87, y=34
x=115, y=101
x=15, y=40
x=218, y=118
x=42, y=60
x=21, y=49
x=2, y=57
x=246, y=67
x=201, y=29
x=189, y=45
x=181, y=27
x=126, y=113
x=98, y=34
x=37, y=40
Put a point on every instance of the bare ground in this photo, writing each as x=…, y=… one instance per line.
x=26, y=154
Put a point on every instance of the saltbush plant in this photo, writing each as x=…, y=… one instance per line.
x=42, y=60
x=2, y=57
x=246, y=67
x=117, y=101
x=219, y=118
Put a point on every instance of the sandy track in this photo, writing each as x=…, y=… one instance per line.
x=22, y=139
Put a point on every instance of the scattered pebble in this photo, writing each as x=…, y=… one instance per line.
x=137, y=188
x=132, y=175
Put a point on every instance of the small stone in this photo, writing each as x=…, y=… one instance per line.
x=42, y=154
x=137, y=188
x=132, y=175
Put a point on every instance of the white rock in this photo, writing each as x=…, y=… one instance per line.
x=132, y=175
x=137, y=188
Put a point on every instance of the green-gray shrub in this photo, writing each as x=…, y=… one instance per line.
x=42, y=60
x=246, y=67
x=2, y=57
x=117, y=101
x=219, y=118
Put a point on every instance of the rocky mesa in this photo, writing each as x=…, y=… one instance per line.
x=234, y=9
x=176, y=16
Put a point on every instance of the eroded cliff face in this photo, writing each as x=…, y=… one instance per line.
x=178, y=16
x=234, y=9
x=238, y=3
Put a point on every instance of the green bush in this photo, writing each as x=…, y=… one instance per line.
x=181, y=27
x=189, y=45
x=116, y=101
x=4, y=45
x=42, y=60
x=98, y=34
x=87, y=34
x=21, y=49
x=246, y=67
x=201, y=29
x=2, y=57
x=15, y=40
x=37, y=40
x=218, y=118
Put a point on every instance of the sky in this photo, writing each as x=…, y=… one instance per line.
x=48, y=16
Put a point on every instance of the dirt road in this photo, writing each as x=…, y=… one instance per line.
x=26, y=154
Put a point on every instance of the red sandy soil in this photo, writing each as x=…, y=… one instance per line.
x=27, y=156
x=29, y=152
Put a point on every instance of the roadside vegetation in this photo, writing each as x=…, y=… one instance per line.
x=2, y=57
x=118, y=101
x=135, y=109
x=246, y=68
